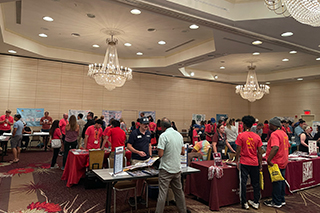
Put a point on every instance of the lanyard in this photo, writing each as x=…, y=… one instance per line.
x=96, y=134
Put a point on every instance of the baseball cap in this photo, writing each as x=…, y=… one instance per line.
x=144, y=120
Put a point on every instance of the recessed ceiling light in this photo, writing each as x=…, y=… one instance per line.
x=293, y=52
x=151, y=29
x=43, y=35
x=222, y=68
x=318, y=59
x=192, y=73
x=193, y=26
x=47, y=18
x=256, y=42
x=287, y=34
x=216, y=77
x=135, y=11
x=256, y=53
x=139, y=53
x=75, y=34
x=285, y=59
x=12, y=51
x=267, y=82
x=299, y=79
x=95, y=45
x=127, y=44
x=90, y=15
x=162, y=42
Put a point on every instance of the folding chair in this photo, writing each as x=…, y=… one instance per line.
x=96, y=158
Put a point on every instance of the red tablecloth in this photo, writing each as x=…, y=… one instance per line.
x=76, y=165
x=223, y=191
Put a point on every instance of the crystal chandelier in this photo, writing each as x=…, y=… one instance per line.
x=252, y=91
x=110, y=74
x=304, y=11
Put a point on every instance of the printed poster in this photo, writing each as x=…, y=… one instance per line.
x=147, y=113
x=108, y=114
x=198, y=118
x=77, y=112
x=221, y=117
x=314, y=127
x=31, y=116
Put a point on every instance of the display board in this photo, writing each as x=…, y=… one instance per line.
x=221, y=117
x=108, y=114
x=77, y=112
x=31, y=116
x=198, y=118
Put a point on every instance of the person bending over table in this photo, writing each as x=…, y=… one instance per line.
x=72, y=133
x=304, y=139
x=93, y=136
x=249, y=148
x=55, y=133
x=219, y=142
x=170, y=148
x=200, y=150
x=140, y=145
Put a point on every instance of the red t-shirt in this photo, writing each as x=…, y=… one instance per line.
x=279, y=138
x=94, y=136
x=249, y=142
x=283, y=128
x=194, y=139
x=265, y=128
x=56, y=134
x=62, y=124
x=288, y=130
x=118, y=137
x=137, y=125
x=209, y=130
x=45, y=121
x=240, y=128
x=105, y=132
x=6, y=126
x=152, y=126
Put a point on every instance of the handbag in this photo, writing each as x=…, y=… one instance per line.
x=275, y=173
x=55, y=143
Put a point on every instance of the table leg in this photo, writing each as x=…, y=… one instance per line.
x=108, y=199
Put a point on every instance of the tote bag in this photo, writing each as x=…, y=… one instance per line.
x=275, y=173
x=55, y=143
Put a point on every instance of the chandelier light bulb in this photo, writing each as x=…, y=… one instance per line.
x=293, y=52
x=47, y=18
x=287, y=34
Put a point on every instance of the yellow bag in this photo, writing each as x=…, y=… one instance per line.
x=275, y=173
x=261, y=181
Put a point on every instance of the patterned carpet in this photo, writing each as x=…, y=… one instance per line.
x=31, y=186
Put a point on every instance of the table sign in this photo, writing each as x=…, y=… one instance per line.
x=312, y=147
x=184, y=158
x=217, y=159
x=118, y=160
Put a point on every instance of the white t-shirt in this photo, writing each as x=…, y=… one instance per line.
x=231, y=133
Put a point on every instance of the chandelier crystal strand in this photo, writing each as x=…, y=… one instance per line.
x=252, y=91
x=110, y=74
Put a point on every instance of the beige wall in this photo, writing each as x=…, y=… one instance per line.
x=58, y=87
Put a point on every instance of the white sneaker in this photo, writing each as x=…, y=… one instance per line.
x=253, y=204
x=56, y=166
x=245, y=206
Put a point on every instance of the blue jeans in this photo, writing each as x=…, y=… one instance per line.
x=278, y=189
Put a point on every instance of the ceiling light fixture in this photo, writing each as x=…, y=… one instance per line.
x=268, y=82
x=216, y=77
x=43, y=35
x=305, y=12
x=90, y=15
x=193, y=27
x=192, y=73
x=252, y=91
x=135, y=12
x=95, y=45
x=222, y=68
x=127, y=44
x=75, y=34
x=47, y=18
x=162, y=42
x=293, y=52
x=285, y=59
x=110, y=74
x=257, y=42
x=318, y=59
x=256, y=53
x=287, y=34
x=299, y=79
x=139, y=53
x=12, y=51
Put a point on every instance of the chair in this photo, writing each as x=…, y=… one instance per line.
x=96, y=158
x=122, y=185
x=209, y=153
x=150, y=182
x=35, y=138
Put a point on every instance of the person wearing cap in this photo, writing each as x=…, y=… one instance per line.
x=277, y=153
x=195, y=135
x=93, y=135
x=25, y=139
x=16, y=137
x=170, y=149
x=6, y=121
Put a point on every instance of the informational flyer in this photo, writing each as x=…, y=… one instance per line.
x=184, y=158
x=118, y=160
x=312, y=147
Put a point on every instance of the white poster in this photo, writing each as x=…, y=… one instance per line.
x=314, y=127
x=108, y=114
x=198, y=118
x=77, y=112
x=312, y=145
x=118, y=160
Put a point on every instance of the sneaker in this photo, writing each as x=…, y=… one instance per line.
x=132, y=202
x=245, y=206
x=52, y=167
x=283, y=203
x=62, y=168
x=270, y=203
x=253, y=204
x=56, y=166
x=141, y=200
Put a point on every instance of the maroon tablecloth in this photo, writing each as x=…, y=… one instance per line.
x=223, y=191
x=76, y=165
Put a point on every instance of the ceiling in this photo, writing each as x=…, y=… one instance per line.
x=227, y=29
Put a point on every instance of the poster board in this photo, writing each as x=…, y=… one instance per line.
x=198, y=118
x=314, y=127
x=147, y=113
x=221, y=117
x=118, y=160
x=31, y=116
x=312, y=146
x=108, y=114
x=76, y=112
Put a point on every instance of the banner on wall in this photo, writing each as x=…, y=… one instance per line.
x=314, y=127
x=77, y=112
x=108, y=114
x=198, y=118
x=221, y=117
x=31, y=116
x=147, y=113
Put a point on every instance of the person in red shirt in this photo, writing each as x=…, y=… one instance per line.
x=249, y=148
x=152, y=128
x=6, y=121
x=115, y=137
x=93, y=135
x=195, y=135
x=209, y=130
x=277, y=153
x=62, y=125
x=46, y=122
x=55, y=133
x=265, y=130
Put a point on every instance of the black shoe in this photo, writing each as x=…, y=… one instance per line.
x=172, y=202
x=132, y=202
x=141, y=200
x=188, y=211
